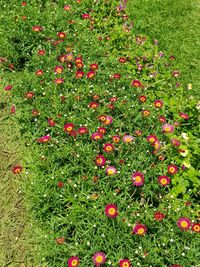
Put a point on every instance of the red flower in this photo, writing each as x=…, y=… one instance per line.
x=68, y=127
x=41, y=52
x=162, y=119
x=44, y=139
x=122, y=59
x=60, y=240
x=158, y=103
x=146, y=113
x=79, y=74
x=159, y=216
x=196, y=227
x=67, y=7
x=13, y=109
x=101, y=130
x=85, y=16
x=59, y=80
x=184, y=116
x=172, y=169
x=90, y=74
x=58, y=69
x=51, y=122
x=78, y=59
x=94, y=66
x=152, y=138
x=124, y=263
x=93, y=105
x=79, y=65
x=29, y=95
x=100, y=160
x=136, y=83
x=61, y=35
x=73, y=261
x=39, y=72
x=164, y=180
x=16, y=169
x=96, y=136
x=35, y=113
x=60, y=184
x=108, y=148
x=23, y=3
x=116, y=138
x=83, y=130
x=139, y=229
x=113, y=99
x=36, y=28
x=142, y=98
x=111, y=211
x=116, y=76
x=175, y=142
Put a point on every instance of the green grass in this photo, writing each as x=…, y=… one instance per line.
x=176, y=25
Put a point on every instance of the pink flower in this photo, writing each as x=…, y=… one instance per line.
x=111, y=211
x=127, y=138
x=108, y=120
x=184, y=116
x=44, y=139
x=184, y=223
x=8, y=87
x=110, y=170
x=164, y=180
x=99, y=258
x=167, y=128
x=138, y=179
x=139, y=229
x=175, y=142
x=73, y=261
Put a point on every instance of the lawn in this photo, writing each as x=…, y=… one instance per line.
x=107, y=129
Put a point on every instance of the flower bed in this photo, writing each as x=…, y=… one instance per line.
x=110, y=165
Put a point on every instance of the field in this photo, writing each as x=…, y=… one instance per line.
x=100, y=148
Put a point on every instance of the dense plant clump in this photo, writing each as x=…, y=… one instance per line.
x=111, y=163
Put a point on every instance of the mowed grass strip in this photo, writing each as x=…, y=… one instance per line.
x=16, y=239
x=176, y=25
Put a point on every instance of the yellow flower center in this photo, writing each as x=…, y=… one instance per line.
x=184, y=224
x=111, y=171
x=99, y=259
x=171, y=169
x=140, y=231
x=111, y=211
x=74, y=263
x=59, y=70
x=196, y=228
x=163, y=181
x=138, y=179
x=125, y=264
